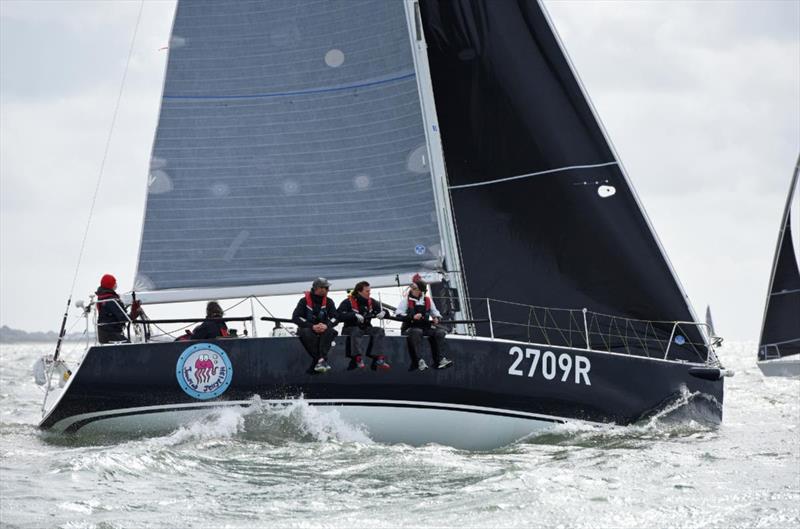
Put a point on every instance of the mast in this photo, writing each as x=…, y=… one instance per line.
x=778, y=247
x=441, y=191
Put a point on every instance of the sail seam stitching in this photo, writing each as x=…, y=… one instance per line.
x=299, y=92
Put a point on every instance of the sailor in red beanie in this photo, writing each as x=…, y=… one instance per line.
x=111, y=318
x=108, y=281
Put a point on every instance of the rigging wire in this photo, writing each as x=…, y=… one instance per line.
x=107, y=146
x=97, y=185
x=172, y=332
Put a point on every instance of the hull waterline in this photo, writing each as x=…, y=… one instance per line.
x=780, y=367
x=496, y=392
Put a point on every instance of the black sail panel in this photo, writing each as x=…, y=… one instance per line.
x=544, y=213
x=781, y=334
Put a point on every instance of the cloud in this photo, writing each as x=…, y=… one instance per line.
x=701, y=99
x=62, y=64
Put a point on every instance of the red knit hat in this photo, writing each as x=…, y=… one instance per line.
x=108, y=281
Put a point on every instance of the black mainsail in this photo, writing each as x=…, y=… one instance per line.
x=545, y=213
x=780, y=332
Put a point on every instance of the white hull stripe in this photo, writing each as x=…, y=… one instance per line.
x=76, y=422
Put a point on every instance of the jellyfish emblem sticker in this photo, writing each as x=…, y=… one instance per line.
x=204, y=371
x=419, y=249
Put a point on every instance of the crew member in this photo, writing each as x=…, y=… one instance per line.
x=213, y=327
x=421, y=318
x=111, y=317
x=357, y=312
x=315, y=317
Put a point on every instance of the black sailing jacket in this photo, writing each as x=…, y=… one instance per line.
x=305, y=316
x=348, y=315
x=211, y=328
x=111, y=318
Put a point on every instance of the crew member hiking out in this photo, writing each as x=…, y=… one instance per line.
x=315, y=317
x=357, y=312
x=111, y=317
x=421, y=318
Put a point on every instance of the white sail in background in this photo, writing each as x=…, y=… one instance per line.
x=710, y=322
x=780, y=330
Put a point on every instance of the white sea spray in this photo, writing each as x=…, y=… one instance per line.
x=289, y=464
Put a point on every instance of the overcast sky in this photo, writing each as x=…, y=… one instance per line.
x=701, y=100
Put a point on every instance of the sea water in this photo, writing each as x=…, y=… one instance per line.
x=305, y=467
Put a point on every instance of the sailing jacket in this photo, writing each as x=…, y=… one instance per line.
x=211, y=328
x=111, y=318
x=368, y=308
x=422, y=305
x=310, y=311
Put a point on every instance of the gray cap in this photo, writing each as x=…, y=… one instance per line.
x=320, y=282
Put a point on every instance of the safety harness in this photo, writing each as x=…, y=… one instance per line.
x=323, y=310
x=412, y=306
x=354, y=304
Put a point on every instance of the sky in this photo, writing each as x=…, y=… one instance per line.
x=701, y=100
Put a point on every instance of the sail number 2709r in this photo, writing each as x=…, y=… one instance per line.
x=550, y=366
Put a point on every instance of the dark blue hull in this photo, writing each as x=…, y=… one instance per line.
x=502, y=378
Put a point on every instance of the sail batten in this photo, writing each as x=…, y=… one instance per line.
x=180, y=295
x=538, y=173
x=402, y=77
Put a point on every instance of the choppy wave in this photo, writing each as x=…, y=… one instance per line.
x=303, y=466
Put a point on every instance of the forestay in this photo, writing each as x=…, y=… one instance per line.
x=290, y=145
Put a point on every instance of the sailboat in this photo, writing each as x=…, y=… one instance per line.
x=779, y=344
x=710, y=322
x=379, y=140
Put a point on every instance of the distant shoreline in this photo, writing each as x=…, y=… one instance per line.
x=9, y=335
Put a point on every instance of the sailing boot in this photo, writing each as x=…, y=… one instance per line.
x=444, y=363
x=380, y=364
x=322, y=366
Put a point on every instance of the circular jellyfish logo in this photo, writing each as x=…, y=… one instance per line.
x=680, y=340
x=419, y=249
x=204, y=371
